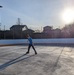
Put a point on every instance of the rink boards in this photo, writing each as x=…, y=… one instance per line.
x=67, y=41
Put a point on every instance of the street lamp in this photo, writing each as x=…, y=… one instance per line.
x=1, y=6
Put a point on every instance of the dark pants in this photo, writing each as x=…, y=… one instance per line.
x=32, y=47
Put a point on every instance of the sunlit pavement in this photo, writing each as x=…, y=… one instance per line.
x=50, y=60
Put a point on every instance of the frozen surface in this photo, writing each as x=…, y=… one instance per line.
x=50, y=60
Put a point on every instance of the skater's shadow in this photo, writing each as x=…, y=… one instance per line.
x=13, y=61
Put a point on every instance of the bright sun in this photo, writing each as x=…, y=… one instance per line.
x=68, y=15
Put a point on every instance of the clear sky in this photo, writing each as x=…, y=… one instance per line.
x=33, y=13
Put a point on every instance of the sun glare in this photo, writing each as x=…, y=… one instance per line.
x=68, y=15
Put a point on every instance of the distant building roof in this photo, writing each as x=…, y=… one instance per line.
x=48, y=27
x=30, y=30
x=18, y=26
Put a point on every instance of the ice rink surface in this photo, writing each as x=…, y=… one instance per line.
x=50, y=60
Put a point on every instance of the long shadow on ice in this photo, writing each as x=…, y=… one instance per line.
x=13, y=61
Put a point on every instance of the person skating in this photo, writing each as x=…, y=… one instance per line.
x=30, y=44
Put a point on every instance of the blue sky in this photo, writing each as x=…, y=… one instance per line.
x=34, y=13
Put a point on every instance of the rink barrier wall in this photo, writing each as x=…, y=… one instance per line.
x=66, y=41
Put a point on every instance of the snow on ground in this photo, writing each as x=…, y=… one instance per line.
x=50, y=60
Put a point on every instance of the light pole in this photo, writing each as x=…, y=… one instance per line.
x=4, y=31
x=0, y=22
x=0, y=17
